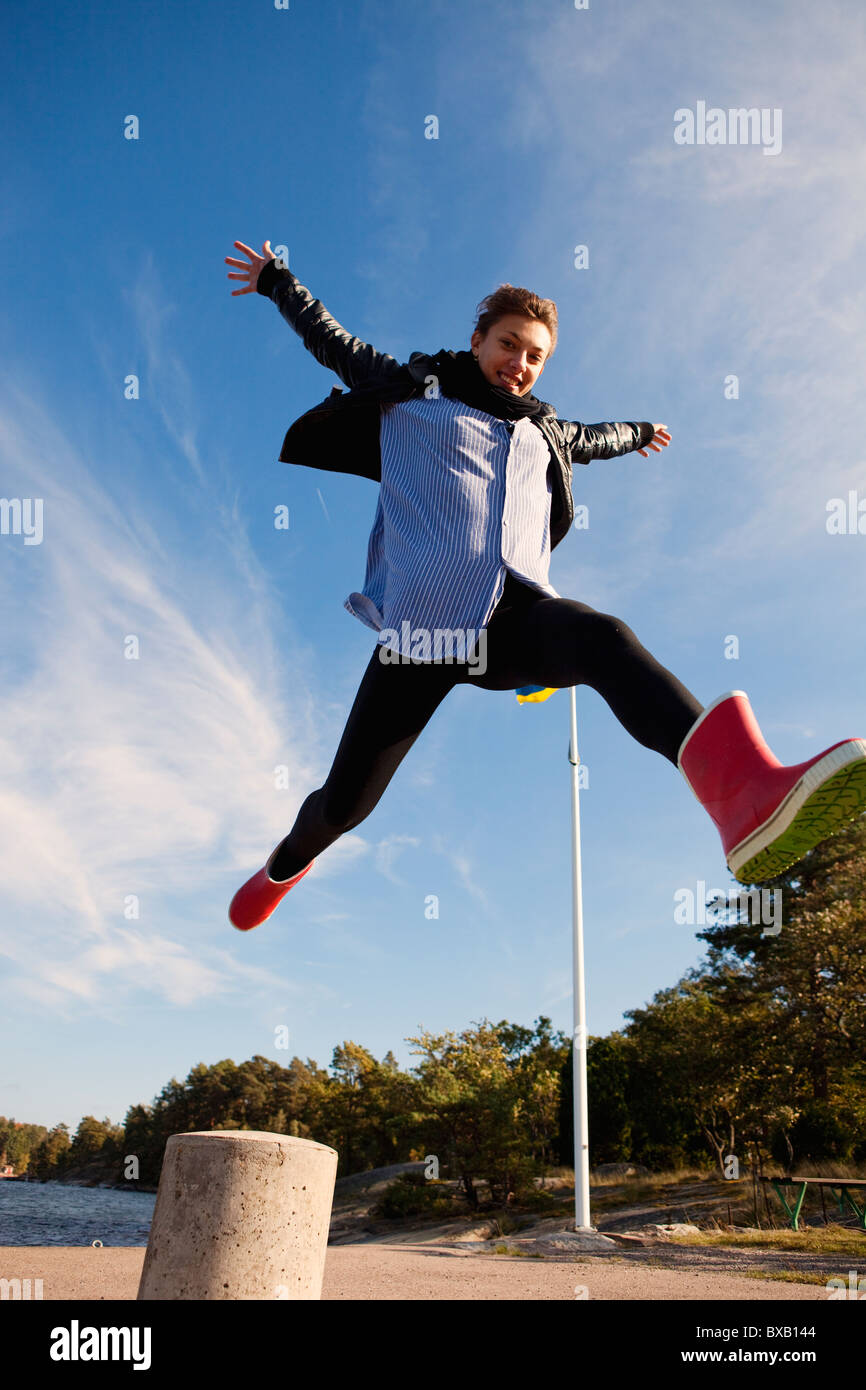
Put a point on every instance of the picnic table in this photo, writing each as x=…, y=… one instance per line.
x=841, y=1187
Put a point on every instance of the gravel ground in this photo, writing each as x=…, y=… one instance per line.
x=411, y=1272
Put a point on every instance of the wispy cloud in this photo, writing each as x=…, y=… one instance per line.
x=743, y=264
x=143, y=720
x=166, y=380
x=467, y=873
x=125, y=961
x=389, y=850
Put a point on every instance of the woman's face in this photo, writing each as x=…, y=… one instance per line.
x=513, y=353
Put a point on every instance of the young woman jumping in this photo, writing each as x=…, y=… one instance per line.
x=475, y=491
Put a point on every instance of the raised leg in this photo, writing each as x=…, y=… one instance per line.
x=560, y=642
x=392, y=706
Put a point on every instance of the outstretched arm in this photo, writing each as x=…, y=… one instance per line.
x=608, y=440
x=353, y=360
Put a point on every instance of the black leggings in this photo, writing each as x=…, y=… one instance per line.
x=531, y=640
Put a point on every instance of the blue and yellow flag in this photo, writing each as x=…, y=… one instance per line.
x=534, y=694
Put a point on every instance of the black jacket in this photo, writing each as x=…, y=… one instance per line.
x=342, y=433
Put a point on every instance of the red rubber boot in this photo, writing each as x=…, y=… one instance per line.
x=255, y=901
x=768, y=815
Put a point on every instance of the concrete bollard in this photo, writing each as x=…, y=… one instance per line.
x=240, y=1214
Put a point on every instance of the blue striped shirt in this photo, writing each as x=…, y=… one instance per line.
x=464, y=497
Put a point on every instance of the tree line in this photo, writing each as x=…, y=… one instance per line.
x=759, y=1054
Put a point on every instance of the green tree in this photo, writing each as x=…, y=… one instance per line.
x=484, y=1110
x=609, y=1119
x=691, y=1050
x=95, y=1140
x=812, y=975
x=366, y=1109
x=49, y=1159
x=17, y=1141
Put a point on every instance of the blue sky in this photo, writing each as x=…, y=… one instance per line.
x=154, y=777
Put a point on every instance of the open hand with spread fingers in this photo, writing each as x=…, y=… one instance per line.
x=659, y=441
x=250, y=272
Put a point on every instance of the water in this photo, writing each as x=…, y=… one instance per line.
x=36, y=1213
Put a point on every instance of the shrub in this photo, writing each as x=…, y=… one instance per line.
x=411, y=1194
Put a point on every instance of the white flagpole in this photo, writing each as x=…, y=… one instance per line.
x=581, y=1119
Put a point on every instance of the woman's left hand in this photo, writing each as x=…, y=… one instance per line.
x=659, y=441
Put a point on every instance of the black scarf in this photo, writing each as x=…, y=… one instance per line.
x=461, y=377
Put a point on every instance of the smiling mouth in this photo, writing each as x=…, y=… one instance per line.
x=511, y=382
